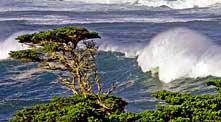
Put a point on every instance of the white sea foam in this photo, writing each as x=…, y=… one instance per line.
x=60, y=20
x=181, y=52
x=27, y=74
x=79, y=5
x=176, y=4
x=39, y=19
x=130, y=50
x=10, y=44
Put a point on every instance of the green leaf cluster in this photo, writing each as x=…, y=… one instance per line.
x=215, y=82
x=25, y=55
x=77, y=108
x=180, y=107
x=64, y=35
x=50, y=47
x=186, y=106
x=56, y=40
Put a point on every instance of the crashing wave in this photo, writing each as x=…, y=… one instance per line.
x=175, y=4
x=179, y=53
x=175, y=54
x=10, y=44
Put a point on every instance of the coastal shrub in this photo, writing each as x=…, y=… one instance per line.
x=71, y=109
x=181, y=108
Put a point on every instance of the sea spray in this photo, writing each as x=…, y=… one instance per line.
x=10, y=44
x=179, y=53
x=175, y=4
x=209, y=63
x=179, y=4
x=130, y=50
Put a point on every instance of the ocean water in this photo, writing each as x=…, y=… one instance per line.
x=179, y=38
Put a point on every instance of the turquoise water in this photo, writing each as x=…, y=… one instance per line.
x=124, y=27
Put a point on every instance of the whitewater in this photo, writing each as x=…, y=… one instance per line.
x=181, y=53
x=175, y=4
x=146, y=46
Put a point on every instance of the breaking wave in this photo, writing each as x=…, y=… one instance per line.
x=175, y=4
x=180, y=53
x=175, y=54
x=10, y=44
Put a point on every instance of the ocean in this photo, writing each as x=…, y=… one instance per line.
x=178, y=38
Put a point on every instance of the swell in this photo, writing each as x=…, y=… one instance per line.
x=175, y=54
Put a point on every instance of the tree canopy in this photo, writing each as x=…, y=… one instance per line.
x=60, y=39
x=69, y=50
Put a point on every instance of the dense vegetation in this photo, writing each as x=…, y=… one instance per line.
x=71, y=109
x=58, y=50
x=180, y=108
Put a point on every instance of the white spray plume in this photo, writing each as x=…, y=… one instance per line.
x=175, y=4
x=181, y=52
x=10, y=44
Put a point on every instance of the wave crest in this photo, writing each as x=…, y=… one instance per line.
x=175, y=4
x=10, y=44
x=179, y=53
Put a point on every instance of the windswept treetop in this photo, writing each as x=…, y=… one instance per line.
x=64, y=39
x=58, y=50
x=60, y=35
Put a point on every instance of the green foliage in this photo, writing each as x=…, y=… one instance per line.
x=50, y=47
x=57, y=40
x=215, y=82
x=187, y=107
x=25, y=55
x=182, y=108
x=178, y=99
x=77, y=108
x=124, y=117
x=64, y=35
x=57, y=50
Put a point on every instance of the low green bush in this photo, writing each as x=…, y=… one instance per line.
x=77, y=108
x=80, y=108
